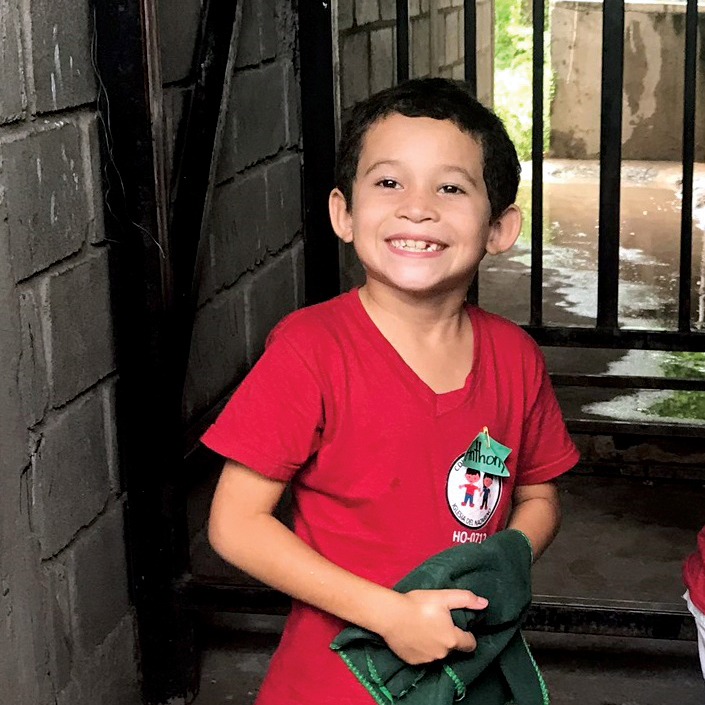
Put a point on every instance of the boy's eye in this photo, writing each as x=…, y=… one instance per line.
x=451, y=188
x=388, y=183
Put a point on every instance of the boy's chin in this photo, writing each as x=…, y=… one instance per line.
x=420, y=289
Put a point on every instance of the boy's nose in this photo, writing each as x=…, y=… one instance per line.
x=417, y=206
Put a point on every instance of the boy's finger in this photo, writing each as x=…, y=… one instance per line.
x=457, y=599
x=465, y=640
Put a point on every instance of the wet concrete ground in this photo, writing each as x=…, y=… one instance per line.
x=649, y=247
x=648, y=279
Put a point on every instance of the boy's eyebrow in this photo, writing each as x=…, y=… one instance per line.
x=381, y=162
x=462, y=171
x=444, y=167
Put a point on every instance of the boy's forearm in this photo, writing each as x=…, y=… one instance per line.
x=270, y=552
x=537, y=514
x=243, y=531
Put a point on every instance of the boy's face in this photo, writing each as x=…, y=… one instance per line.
x=420, y=212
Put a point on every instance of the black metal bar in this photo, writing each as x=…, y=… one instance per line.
x=686, y=253
x=322, y=269
x=470, y=68
x=547, y=613
x=470, y=43
x=627, y=382
x=610, y=618
x=196, y=151
x=148, y=423
x=620, y=339
x=536, y=312
x=403, y=67
x=610, y=163
x=611, y=427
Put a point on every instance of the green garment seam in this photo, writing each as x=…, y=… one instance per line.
x=370, y=687
x=460, y=689
x=542, y=683
x=372, y=670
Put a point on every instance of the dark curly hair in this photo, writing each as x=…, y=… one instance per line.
x=441, y=99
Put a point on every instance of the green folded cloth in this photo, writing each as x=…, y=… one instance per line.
x=499, y=672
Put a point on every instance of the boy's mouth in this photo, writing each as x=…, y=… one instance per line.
x=415, y=245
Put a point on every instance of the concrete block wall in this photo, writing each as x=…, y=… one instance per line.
x=67, y=634
x=367, y=45
x=251, y=265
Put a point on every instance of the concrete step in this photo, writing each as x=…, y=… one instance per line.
x=578, y=670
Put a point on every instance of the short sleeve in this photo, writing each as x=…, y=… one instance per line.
x=546, y=449
x=273, y=422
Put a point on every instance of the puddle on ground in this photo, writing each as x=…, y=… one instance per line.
x=648, y=280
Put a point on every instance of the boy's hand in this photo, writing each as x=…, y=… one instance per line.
x=420, y=629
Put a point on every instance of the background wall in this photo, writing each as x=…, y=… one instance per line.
x=652, y=103
x=67, y=632
x=251, y=271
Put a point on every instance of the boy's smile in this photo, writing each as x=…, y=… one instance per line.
x=420, y=215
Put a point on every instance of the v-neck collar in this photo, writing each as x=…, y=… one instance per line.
x=439, y=403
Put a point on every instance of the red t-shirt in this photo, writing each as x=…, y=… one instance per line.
x=694, y=573
x=374, y=458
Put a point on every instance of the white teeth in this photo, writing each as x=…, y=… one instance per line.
x=416, y=245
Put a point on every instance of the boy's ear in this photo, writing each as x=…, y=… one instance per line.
x=504, y=231
x=340, y=216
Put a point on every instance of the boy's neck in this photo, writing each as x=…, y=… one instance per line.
x=433, y=335
x=414, y=315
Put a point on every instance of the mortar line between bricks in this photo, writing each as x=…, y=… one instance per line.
x=265, y=162
x=258, y=65
x=57, y=266
x=252, y=270
x=368, y=27
x=188, y=83
x=44, y=122
x=110, y=502
x=54, y=411
x=90, y=105
x=26, y=55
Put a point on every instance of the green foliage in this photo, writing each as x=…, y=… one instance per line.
x=684, y=365
x=681, y=404
x=512, y=35
x=513, y=74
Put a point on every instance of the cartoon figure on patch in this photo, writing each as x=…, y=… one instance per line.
x=470, y=486
x=486, y=484
x=480, y=469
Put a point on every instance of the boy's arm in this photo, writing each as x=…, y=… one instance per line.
x=417, y=625
x=537, y=513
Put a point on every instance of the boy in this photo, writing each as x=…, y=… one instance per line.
x=367, y=403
